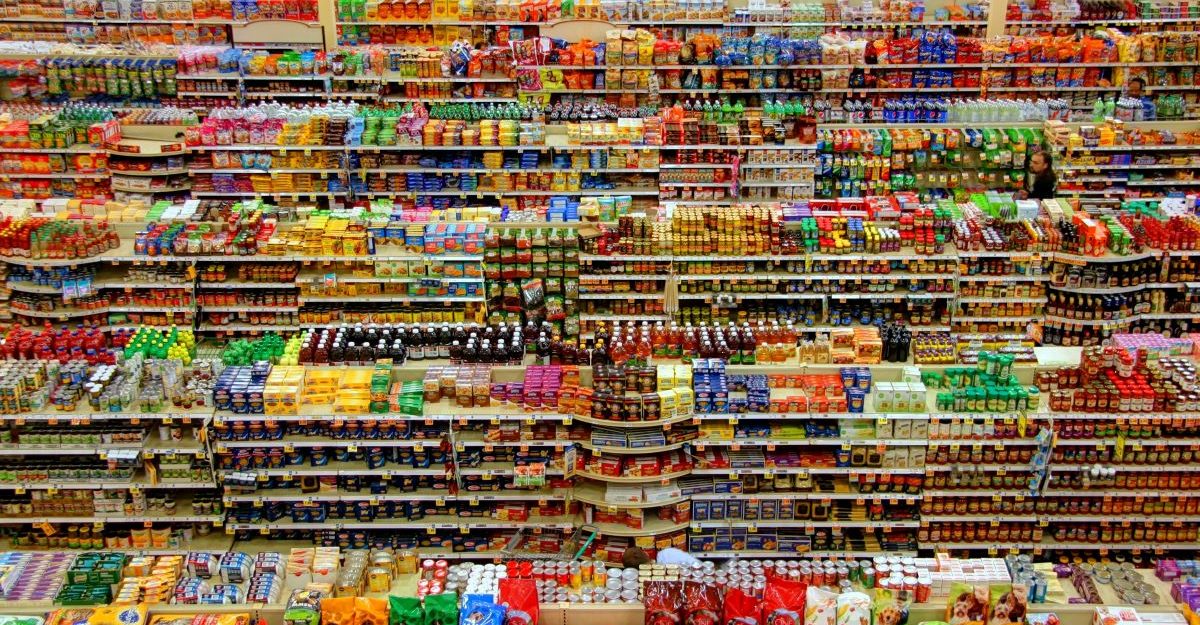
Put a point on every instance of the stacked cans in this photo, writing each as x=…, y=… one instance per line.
x=435, y=579
x=557, y=581
x=893, y=573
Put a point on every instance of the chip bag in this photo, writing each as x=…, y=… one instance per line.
x=370, y=611
x=481, y=612
x=441, y=609
x=405, y=611
x=740, y=608
x=118, y=615
x=966, y=605
x=820, y=607
x=520, y=596
x=701, y=603
x=337, y=611
x=783, y=602
x=664, y=602
x=854, y=608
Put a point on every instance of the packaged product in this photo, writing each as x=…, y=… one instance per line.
x=521, y=598
x=664, y=602
x=405, y=611
x=783, y=602
x=741, y=608
x=118, y=615
x=441, y=609
x=967, y=604
x=1008, y=604
x=854, y=608
x=702, y=603
x=820, y=607
x=337, y=611
x=890, y=607
x=481, y=612
x=370, y=611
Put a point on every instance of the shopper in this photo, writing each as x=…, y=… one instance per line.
x=635, y=557
x=1135, y=87
x=1040, y=181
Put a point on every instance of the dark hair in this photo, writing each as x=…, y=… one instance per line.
x=634, y=557
x=1046, y=157
x=1139, y=80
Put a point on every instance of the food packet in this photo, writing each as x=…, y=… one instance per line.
x=664, y=602
x=740, y=608
x=702, y=603
x=520, y=596
x=118, y=615
x=441, y=609
x=854, y=608
x=481, y=612
x=820, y=607
x=1008, y=604
x=370, y=611
x=405, y=611
x=337, y=611
x=966, y=605
x=783, y=602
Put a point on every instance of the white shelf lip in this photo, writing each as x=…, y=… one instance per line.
x=470, y=497
x=100, y=518
x=811, y=471
x=326, y=442
x=740, y=296
x=731, y=523
x=1076, y=546
x=242, y=327
x=1083, y=492
x=101, y=485
x=777, y=166
x=755, y=277
x=1117, y=289
x=816, y=495
x=623, y=276
x=235, y=284
x=222, y=416
x=389, y=298
x=161, y=309
x=58, y=175
x=247, y=308
x=620, y=296
x=981, y=518
x=1124, y=321
x=465, y=523
x=810, y=442
x=303, y=470
x=56, y=449
x=734, y=417
x=1130, y=468
x=267, y=171
x=103, y=416
x=802, y=554
x=959, y=466
x=1008, y=278
x=1011, y=300
x=602, y=317
x=997, y=320
x=976, y=492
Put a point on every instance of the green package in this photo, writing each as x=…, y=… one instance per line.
x=405, y=611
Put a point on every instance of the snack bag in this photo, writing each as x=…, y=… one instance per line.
x=966, y=604
x=369, y=611
x=853, y=608
x=664, y=603
x=890, y=608
x=441, y=609
x=521, y=598
x=118, y=615
x=740, y=608
x=783, y=602
x=1008, y=604
x=702, y=604
x=820, y=607
x=481, y=612
x=405, y=611
x=337, y=611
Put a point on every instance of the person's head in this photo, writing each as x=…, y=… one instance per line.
x=1134, y=87
x=634, y=557
x=1040, y=163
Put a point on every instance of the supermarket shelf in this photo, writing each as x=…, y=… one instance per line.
x=642, y=479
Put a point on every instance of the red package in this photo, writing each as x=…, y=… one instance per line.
x=740, y=608
x=702, y=603
x=783, y=602
x=521, y=597
x=664, y=603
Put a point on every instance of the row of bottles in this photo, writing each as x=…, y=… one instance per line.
x=1103, y=307
x=1100, y=275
